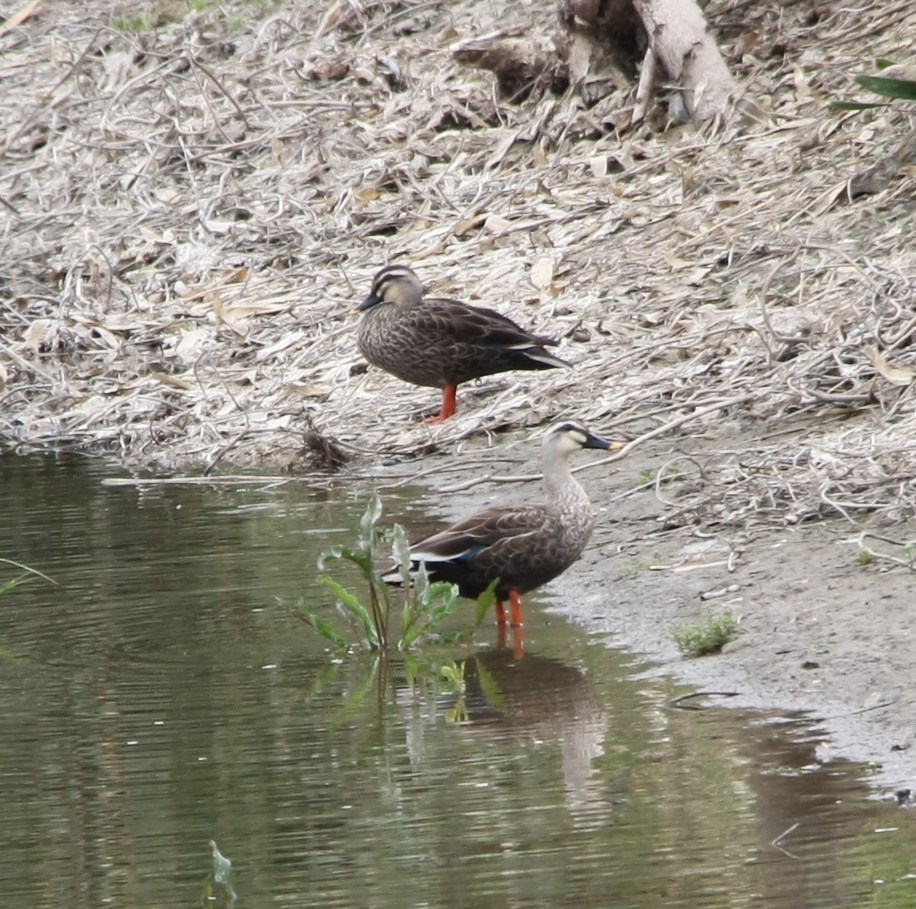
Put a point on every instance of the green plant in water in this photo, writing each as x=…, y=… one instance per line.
x=217, y=888
x=424, y=610
x=30, y=574
x=452, y=676
x=10, y=585
x=711, y=637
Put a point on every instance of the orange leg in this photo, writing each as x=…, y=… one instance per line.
x=515, y=598
x=449, y=404
x=518, y=632
x=518, y=642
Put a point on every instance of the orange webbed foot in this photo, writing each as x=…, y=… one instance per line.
x=449, y=405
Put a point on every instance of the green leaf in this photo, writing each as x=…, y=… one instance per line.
x=459, y=714
x=409, y=636
x=15, y=582
x=421, y=584
x=490, y=689
x=370, y=519
x=358, y=557
x=485, y=601
x=454, y=638
x=344, y=597
x=322, y=627
x=333, y=552
x=400, y=547
x=415, y=607
x=222, y=867
x=413, y=670
x=890, y=88
x=856, y=105
x=353, y=606
x=443, y=597
x=327, y=631
x=453, y=675
x=222, y=873
x=410, y=625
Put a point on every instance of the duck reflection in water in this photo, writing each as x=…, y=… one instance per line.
x=541, y=702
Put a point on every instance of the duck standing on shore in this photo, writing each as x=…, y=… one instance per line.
x=439, y=342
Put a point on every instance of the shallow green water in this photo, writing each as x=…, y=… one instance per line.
x=157, y=699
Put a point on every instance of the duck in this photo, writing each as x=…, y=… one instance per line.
x=518, y=547
x=439, y=342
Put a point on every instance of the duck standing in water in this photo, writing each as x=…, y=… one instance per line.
x=521, y=546
x=438, y=342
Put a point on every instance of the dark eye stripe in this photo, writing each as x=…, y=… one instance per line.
x=570, y=426
x=395, y=273
x=391, y=275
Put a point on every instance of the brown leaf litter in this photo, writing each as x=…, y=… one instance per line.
x=194, y=197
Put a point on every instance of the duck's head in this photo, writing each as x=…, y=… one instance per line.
x=393, y=284
x=570, y=435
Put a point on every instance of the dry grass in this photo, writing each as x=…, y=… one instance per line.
x=194, y=196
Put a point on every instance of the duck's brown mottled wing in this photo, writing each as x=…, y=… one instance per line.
x=474, y=325
x=498, y=529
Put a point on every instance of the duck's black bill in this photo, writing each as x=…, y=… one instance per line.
x=594, y=441
x=369, y=302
